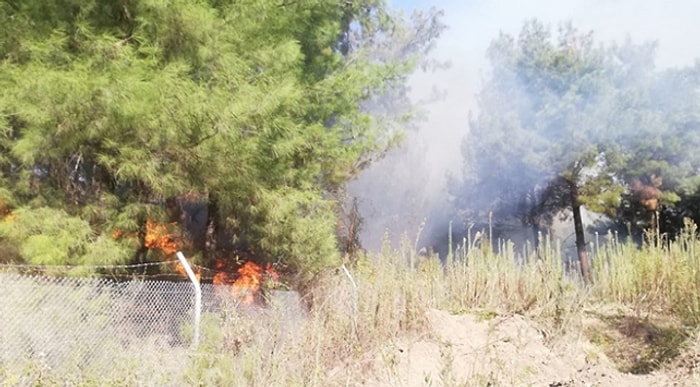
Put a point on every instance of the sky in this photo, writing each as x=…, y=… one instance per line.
x=472, y=25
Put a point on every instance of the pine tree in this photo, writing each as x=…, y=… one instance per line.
x=109, y=111
x=563, y=124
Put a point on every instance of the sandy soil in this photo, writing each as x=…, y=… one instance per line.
x=487, y=350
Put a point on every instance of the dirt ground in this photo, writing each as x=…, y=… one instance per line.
x=482, y=349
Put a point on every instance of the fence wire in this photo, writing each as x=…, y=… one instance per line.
x=51, y=323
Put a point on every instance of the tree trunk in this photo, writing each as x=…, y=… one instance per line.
x=533, y=219
x=536, y=240
x=211, y=233
x=580, y=237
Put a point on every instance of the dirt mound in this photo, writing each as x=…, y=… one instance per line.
x=488, y=350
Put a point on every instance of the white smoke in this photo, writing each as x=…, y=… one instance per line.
x=397, y=193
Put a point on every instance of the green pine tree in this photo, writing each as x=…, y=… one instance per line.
x=253, y=109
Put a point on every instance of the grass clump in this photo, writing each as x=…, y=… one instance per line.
x=662, y=275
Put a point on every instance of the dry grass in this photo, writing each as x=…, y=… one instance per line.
x=344, y=338
x=353, y=317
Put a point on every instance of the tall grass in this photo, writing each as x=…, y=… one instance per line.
x=662, y=274
x=356, y=315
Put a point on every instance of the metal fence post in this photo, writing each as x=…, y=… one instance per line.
x=197, y=297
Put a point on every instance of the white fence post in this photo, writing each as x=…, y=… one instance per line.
x=197, y=297
x=355, y=299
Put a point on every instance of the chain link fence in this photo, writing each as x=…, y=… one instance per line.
x=79, y=324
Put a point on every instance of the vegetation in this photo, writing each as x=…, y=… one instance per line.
x=352, y=333
x=564, y=122
x=235, y=125
x=240, y=121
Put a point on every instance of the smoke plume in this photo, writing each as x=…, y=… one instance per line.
x=406, y=192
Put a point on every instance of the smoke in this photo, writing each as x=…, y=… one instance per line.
x=410, y=185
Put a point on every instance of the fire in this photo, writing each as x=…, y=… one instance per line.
x=245, y=284
x=248, y=282
x=158, y=237
x=181, y=270
x=222, y=277
x=119, y=234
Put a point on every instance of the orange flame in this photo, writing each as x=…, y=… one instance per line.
x=248, y=282
x=250, y=278
x=119, y=234
x=181, y=270
x=158, y=237
x=221, y=277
